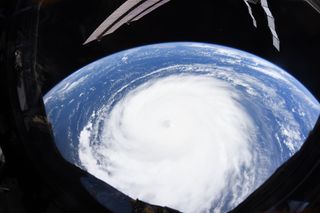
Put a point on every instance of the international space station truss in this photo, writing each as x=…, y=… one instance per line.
x=133, y=10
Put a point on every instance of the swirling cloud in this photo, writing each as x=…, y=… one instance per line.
x=192, y=126
x=178, y=141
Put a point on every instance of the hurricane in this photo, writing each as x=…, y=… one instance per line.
x=192, y=126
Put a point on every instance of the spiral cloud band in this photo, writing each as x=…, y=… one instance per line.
x=191, y=126
x=174, y=142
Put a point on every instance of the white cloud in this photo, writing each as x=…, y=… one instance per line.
x=174, y=142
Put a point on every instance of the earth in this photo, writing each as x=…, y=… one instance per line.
x=196, y=127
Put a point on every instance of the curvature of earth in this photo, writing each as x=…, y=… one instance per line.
x=192, y=126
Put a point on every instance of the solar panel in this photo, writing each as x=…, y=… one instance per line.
x=276, y=43
x=271, y=24
x=250, y=12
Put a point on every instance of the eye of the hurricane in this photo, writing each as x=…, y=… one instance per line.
x=195, y=127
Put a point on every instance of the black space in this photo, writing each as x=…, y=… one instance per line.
x=35, y=177
x=65, y=25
